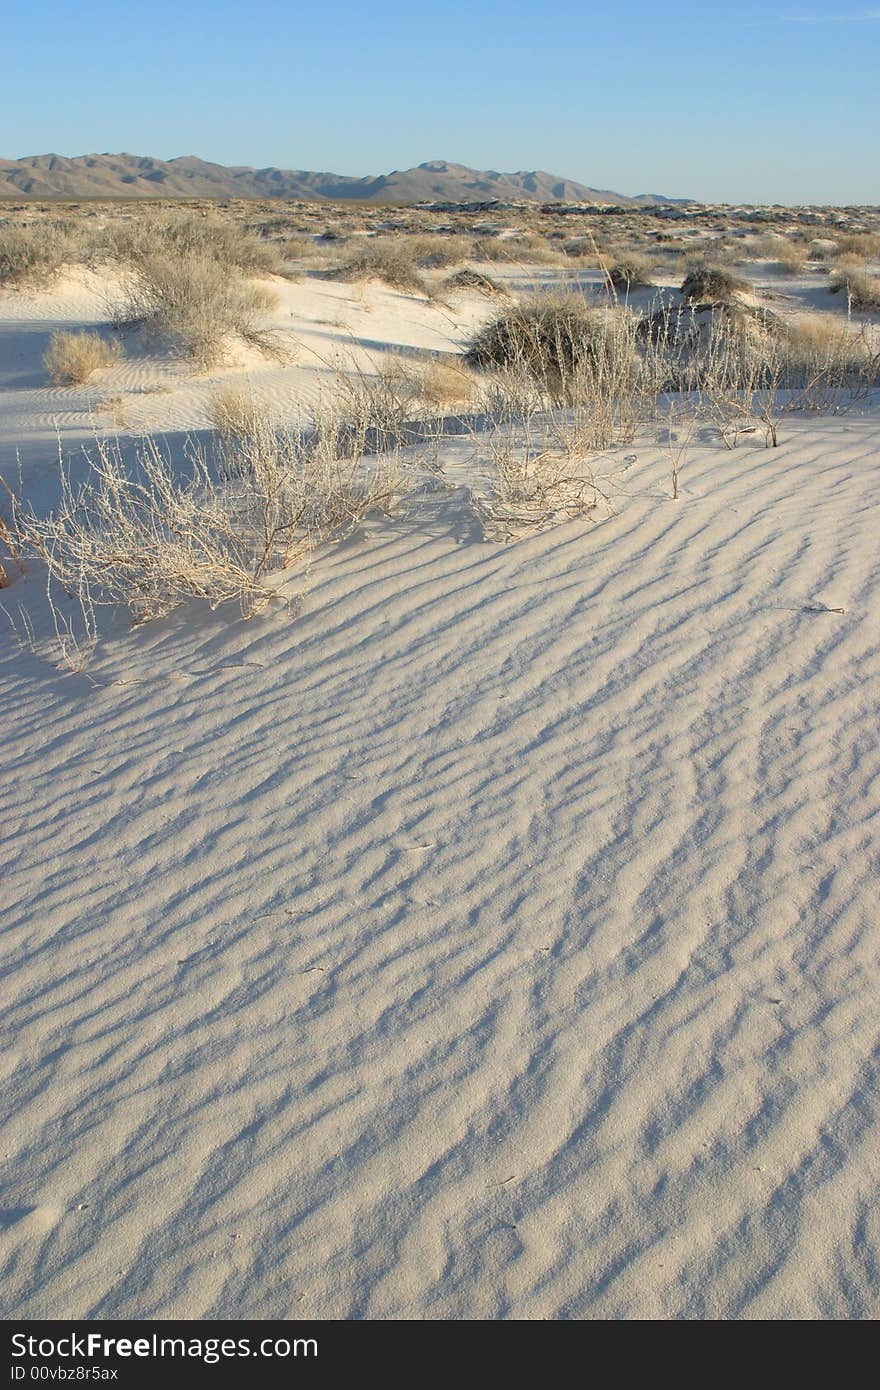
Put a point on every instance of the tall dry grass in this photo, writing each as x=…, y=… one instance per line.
x=444, y=384
x=72, y=358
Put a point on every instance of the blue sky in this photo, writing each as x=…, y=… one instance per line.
x=740, y=102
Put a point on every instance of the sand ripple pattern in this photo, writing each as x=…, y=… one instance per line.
x=495, y=938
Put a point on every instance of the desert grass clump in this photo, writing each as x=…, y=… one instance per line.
x=33, y=255
x=818, y=334
x=294, y=248
x=749, y=376
x=582, y=250
x=712, y=285
x=444, y=383
x=791, y=259
x=631, y=272
x=860, y=287
x=72, y=358
x=821, y=357
x=385, y=259
x=196, y=305
x=236, y=412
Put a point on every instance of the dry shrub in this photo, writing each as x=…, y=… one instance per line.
x=173, y=530
x=194, y=303
x=370, y=410
x=582, y=249
x=384, y=409
x=750, y=376
x=71, y=358
x=538, y=473
x=792, y=260
x=719, y=252
x=437, y=252
x=470, y=279
x=285, y=240
x=860, y=287
x=202, y=238
x=822, y=248
x=823, y=356
x=383, y=259
x=728, y=354
x=297, y=248
x=531, y=489
x=712, y=285
x=529, y=249
x=789, y=257
x=630, y=273
x=556, y=340
x=33, y=255
x=863, y=246
x=10, y=545
x=574, y=364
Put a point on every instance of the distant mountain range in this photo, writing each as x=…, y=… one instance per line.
x=139, y=176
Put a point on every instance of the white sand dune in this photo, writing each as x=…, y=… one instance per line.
x=497, y=937
x=323, y=325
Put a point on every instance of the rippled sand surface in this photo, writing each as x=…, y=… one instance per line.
x=495, y=936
